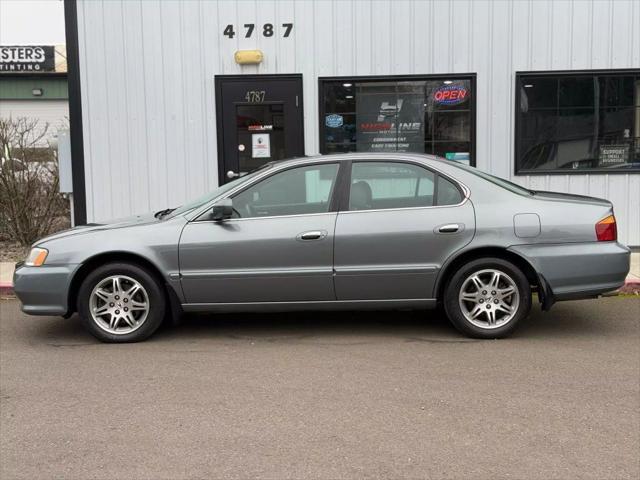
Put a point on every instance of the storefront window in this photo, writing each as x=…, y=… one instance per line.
x=424, y=115
x=577, y=122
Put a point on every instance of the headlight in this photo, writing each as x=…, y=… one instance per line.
x=36, y=257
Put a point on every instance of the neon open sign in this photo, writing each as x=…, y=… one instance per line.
x=450, y=94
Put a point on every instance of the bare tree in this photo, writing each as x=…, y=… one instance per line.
x=30, y=203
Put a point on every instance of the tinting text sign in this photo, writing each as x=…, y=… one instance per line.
x=27, y=58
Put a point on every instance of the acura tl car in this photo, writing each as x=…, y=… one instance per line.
x=353, y=231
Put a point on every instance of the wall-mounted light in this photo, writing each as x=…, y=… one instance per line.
x=37, y=92
x=248, y=57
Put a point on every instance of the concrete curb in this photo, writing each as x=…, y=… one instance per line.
x=6, y=289
x=631, y=287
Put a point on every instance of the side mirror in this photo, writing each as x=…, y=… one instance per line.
x=222, y=210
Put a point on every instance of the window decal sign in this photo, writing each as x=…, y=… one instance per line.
x=389, y=120
x=462, y=157
x=334, y=121
x=450, y=95
x=614, y=154
x=260, y=145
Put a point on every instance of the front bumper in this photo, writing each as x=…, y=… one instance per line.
x=579, y=270
x=43, y=290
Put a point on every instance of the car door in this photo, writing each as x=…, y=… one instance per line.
x=400, y=223
x=278, y=246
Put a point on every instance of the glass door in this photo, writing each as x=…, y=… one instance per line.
x=260, y=135
x=259, y=119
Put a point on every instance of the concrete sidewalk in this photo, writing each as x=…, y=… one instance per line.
x=6, y=278
x=632, y=284
x=634, y=273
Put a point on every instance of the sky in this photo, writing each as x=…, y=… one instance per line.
x=37, y=22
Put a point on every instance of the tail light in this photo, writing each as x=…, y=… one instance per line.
x=606, y=229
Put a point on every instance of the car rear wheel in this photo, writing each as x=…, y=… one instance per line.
x=120, y=302
x=487, y=298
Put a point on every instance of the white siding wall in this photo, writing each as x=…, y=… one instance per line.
x=53, y=112
x=148, y=72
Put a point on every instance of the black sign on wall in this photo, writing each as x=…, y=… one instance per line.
x=27, y=58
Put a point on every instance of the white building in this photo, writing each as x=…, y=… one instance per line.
x=33, y=85
x=545, y=93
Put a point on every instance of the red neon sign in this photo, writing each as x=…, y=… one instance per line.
x=450, y=94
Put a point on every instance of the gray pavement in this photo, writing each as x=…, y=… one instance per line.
x=392, y=395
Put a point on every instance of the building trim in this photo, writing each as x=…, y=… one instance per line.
x=23, y=88
x=32, y=75
x=75, y=112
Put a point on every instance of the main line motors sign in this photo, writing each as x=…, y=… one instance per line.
x=27, y=58
x=388, y=119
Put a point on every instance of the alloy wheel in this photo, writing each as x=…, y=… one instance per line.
x=489, y=298
x=119, y=304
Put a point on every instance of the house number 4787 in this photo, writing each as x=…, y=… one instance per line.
x=267, y=30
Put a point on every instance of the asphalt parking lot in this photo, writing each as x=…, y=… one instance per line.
x=355, y=395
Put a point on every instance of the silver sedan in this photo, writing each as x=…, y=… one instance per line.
x=353, y=231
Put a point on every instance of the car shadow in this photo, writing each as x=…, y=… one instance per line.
x=342, y=327
x=350, y=326
x=571, y=319
x=597, y=317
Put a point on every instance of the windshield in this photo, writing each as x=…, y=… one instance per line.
x=207, y=197
x=501, y=182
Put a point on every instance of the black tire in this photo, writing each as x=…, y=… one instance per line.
x=454, y=310
x=154, y=291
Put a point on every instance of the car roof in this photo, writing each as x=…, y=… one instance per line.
x=341, y=157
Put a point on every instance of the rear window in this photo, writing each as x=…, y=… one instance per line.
x=448, y=193
x=501, y=182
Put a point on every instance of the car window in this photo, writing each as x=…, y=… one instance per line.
x=501, y=182
x=200, y=201
x=380, y=185
x=448, y=192
x=297, y=191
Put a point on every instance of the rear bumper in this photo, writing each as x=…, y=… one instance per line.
x=579, y=270
x=43, y=290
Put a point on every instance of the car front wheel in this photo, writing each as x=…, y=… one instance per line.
x=120, y=302
x=487, y=298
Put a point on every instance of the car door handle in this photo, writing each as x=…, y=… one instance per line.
x=312, y=235
x=449, y=228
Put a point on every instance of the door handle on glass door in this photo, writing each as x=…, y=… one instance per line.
x=232, y=174
x=312, y=235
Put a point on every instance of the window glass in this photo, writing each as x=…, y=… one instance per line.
x=302, y=190
x=425, y=116
x=580, y=122
x=254, y=125
x=201, y=201
x=501, y=182
x=448, y=193
x=379, y=185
